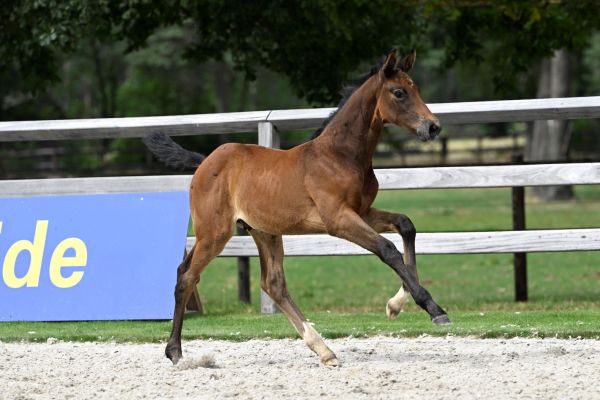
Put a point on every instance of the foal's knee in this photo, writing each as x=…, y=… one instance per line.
x=406, y=227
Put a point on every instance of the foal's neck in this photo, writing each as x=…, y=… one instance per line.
x=355, y=129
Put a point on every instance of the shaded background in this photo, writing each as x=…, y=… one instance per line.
x=114, y=58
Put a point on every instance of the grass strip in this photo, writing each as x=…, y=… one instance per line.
x=561, y=324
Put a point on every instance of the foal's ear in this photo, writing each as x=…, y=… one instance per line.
x=388, y=69
x=407, y=62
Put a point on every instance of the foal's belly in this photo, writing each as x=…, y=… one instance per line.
x=277, y=206
x=279, y=222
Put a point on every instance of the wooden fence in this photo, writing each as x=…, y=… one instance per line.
x=268, y=123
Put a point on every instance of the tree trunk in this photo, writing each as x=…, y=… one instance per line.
x=549, y=141
x=223, y=86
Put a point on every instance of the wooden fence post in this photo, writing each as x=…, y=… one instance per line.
x=519, y=259
x=444, y=150
x=267, y=137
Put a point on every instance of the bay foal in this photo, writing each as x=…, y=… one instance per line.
x=324, y=185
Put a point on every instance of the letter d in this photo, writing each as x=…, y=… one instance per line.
x=35, y=249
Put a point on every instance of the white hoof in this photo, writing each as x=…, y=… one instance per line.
x=391, y=312
x=396, y=304
x=331, y=362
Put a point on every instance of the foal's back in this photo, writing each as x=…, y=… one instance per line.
x=263, y=187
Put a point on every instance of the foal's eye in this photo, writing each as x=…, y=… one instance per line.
x=399, y=93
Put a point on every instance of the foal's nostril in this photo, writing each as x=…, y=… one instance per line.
x=434, y=129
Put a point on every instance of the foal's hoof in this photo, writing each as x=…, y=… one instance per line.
x=391, y=311
x=396, y=304
x=331, y=361
x=173, y=354
x=441, y=320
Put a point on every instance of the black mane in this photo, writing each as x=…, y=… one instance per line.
x=346, y=93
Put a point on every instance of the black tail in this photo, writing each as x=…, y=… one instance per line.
x=172, y=154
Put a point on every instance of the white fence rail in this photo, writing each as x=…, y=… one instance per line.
x=448, y=113
x=267, y=124
x=405, y=178
x=433, y=243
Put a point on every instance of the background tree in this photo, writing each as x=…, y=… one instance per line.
x=549, y=140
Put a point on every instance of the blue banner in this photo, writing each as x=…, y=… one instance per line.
x=91, y=257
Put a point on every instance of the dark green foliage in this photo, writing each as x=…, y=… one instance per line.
x=316, y=44
x=512, y=35
x=32, y=33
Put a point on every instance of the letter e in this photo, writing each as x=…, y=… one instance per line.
x=58, y=261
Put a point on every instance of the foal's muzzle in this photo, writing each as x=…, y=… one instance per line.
x=428, y=130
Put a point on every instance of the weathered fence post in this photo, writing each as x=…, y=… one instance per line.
x=520, y=259
x=444, y=150
x=268, y=137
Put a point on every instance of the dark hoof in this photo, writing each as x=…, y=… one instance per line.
x=173, y=353
x=441, y=320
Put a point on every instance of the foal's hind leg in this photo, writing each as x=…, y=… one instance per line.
x=383, y=221
x=188, y=275
x=270, y=249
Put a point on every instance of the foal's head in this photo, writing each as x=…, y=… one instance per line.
x=399, y=101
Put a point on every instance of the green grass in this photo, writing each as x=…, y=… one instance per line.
x=347, y=295
x=562, y=324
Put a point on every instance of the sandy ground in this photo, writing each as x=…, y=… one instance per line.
x=372, y=368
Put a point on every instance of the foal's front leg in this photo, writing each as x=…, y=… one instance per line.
x=384, y=221
x=346, y=224
x=270, y=250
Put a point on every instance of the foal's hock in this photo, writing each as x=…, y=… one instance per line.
x=324, y=185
